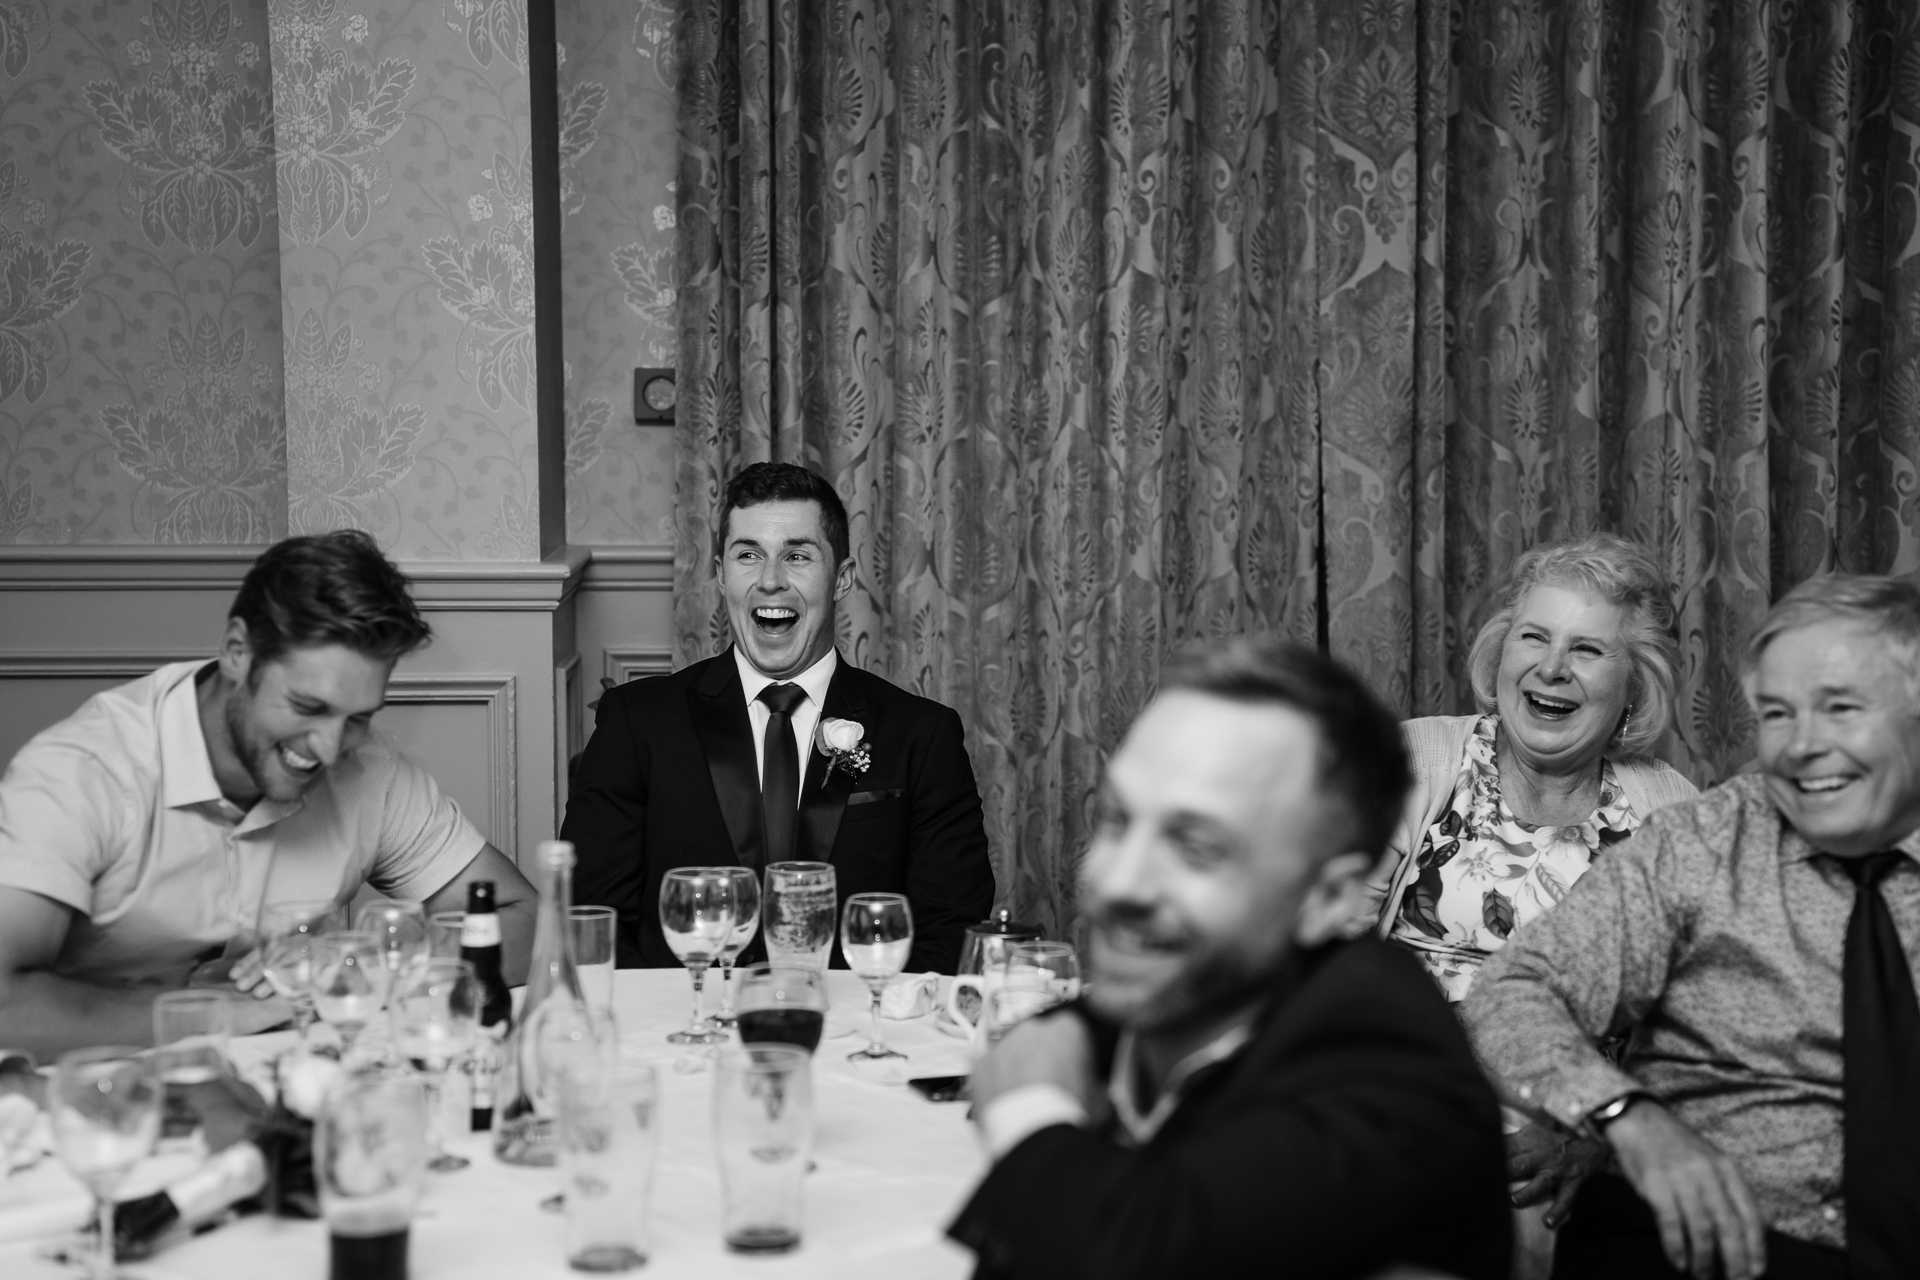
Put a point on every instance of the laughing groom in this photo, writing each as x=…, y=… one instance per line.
x=728, y=761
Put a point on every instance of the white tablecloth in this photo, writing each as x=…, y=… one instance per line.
x=892, y=1170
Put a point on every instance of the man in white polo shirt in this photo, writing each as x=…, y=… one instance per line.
x=142, y=836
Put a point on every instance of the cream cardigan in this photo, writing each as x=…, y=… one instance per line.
x=1435, y=745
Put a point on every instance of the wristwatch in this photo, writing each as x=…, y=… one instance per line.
x=1600, y=1117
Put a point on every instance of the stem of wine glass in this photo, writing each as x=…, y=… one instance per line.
x=302, y=1016
x=874, y=1032
x=101, y=1267
x=726, y=985
x=698, y=972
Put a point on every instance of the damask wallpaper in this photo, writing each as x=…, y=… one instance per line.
x=140, y=372
x=617, y=155
x=406, y=230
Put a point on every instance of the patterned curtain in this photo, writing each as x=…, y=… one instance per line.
x=1124, y=323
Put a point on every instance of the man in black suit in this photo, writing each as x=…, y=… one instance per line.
x=722, y=762
x=1240, y=1093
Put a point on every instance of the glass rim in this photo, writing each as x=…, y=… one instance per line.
x=588, y=913
x=611, y=1069
x=1045, y=947
x=98, y=1054
x=797, y=867
x=190, y=996
x=761, y=1059
x=457, y=916
x=768, y=966
x=869, y=898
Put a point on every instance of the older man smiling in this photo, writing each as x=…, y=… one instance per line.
x=1760, y=943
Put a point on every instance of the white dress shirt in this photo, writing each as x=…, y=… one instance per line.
x=813, y=682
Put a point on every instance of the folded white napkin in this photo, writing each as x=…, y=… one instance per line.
x=910, y=995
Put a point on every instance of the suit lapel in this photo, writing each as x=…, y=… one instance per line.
x=823, y=799
x=719, y=709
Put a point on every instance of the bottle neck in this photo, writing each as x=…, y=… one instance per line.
x=552, y=966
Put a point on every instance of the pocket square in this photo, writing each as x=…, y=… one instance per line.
x=869, y=797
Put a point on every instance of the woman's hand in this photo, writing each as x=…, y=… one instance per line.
x=1550, y=1163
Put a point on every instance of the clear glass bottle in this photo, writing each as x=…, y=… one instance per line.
x=522, y=1126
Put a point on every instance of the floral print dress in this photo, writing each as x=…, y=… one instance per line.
x=1482, y=873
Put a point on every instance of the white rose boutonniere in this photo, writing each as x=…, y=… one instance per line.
x=840, y=742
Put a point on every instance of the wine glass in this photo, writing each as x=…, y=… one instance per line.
x=696, y=914
x=350, y=982
x=436, y=1010
x=288, y=931
x=401, y=928
x=876, y=933
x=1052, y=967
x=746, y=922
x=105, y=1108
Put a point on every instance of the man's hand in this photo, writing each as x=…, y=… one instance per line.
x=1550, y=1163
x=248, y=974
x=1705, y=1211
x=1052, y=1049
x=253, y=1016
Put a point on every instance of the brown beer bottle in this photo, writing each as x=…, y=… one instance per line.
x=480, y=947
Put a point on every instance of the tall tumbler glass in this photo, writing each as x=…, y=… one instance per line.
x=190, y=1030
x=370, y=1159
x=763, y=1136
x=592, y=929
x=799, y=913
x=609, y=1143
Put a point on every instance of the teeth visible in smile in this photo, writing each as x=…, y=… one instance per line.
x=1553, y=706
x=297, y=761
x=774, y=614
x=1821, y=784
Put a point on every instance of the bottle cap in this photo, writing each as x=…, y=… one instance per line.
x=555, y=854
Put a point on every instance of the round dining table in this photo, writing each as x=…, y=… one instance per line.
x=891, y=1170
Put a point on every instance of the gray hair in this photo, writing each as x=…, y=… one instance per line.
x=1623, y=573
x=1888, y=606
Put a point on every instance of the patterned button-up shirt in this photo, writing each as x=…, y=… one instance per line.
x=1716, y=934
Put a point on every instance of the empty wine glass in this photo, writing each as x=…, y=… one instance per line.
x=401, y=928
x=876, y=934
x=696, y=914
x=746, y=922
x=288, y=931
x=350, y=982
x=1051, y=967
x=105, y=1108
x=435, y=1011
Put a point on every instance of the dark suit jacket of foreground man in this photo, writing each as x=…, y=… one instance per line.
x=1352, y=1134
x=669, y=780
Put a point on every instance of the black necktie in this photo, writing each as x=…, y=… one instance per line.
x=1880, y=1175
x=780, y=770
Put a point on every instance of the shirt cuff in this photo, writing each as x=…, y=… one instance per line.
x=1018, y=1114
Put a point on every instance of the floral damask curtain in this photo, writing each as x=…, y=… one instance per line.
x=1123, y=323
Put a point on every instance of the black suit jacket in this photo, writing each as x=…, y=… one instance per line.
x=669, y=780
x=1353, y=1133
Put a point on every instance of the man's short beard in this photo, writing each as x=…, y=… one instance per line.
x=1223, y=980
x=248, y=749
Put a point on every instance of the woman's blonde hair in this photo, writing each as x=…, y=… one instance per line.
x=1623, y=573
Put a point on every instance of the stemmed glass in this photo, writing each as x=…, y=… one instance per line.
x=350, y=983
x=401, y=928
x=105, y=1106
x=746, y=922
x=696, y=914
x=876, y=933
x=436, y=1010
x=289, y=931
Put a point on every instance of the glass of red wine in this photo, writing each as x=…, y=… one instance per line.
x=780, y=1004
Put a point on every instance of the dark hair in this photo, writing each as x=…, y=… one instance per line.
x=1363, y=756
x=328, y=588
x=784, y=482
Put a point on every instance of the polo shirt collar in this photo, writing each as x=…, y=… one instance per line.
x=186, y=770
x=814, y=680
